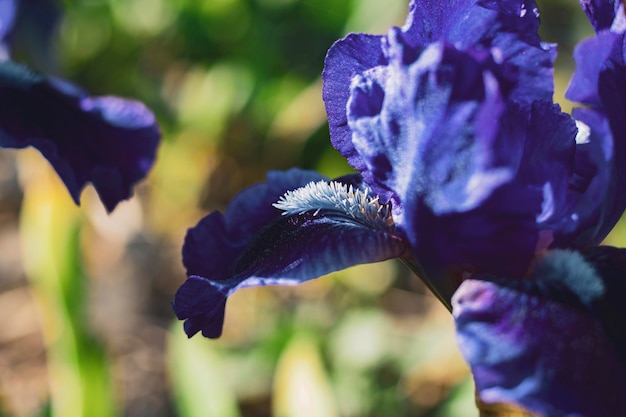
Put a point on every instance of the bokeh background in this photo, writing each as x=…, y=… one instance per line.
x=86, y=327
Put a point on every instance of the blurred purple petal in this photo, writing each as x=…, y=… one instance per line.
x=546, y=356
x=592, y=57
x=8, y=10
x=602, y=13
x=107, y=141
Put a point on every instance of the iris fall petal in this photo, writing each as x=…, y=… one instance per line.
x=546, y=356
x=269, y=250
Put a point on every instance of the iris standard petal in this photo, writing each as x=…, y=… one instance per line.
x=601, y=13
x=508, y=29
x=433, y=133
x=600, y=82
x=581, y=224
x=551, y=358
x=471, y=22
x=346, y=58
x=449, y=150
x=549, y=160
x=107, y=141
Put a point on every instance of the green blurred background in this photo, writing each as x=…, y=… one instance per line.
x=87, y=328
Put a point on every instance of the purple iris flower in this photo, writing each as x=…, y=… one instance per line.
x=474, y=177
x=107, y=141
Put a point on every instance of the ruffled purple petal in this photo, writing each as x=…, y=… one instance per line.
x=253, y=244
x=600, y=82
x=202, y=306
x=505, y=30
x=434, y=130
x=508, y=29
x=348, y=57
x=502, y=232
x=107, y=141
x=289, y=251
x=577, y=222
x=472, y=22
x=602, y=13
x=549, y=357
x=465, y=179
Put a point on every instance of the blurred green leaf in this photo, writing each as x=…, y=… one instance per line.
x=301, y=383
x=460, y=402
x=50, y=229
x=199, y=380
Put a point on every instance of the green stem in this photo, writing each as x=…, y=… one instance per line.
x=417, y=269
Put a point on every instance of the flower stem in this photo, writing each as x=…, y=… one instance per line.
x=417, y=269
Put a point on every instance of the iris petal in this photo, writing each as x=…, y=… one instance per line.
x=472, y=22
x=546, y=356
x=506, y=28
x=434, y=130
x=107, y=141
x=346, y=58
x=601, y=13
x=226, y=252
x=8, y=10
x=226, y=235
x=600, y=82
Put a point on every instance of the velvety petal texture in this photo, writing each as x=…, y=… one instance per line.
x=507, y=29
x=471, y=173
x=538, y=343
x=451, y=118
x=107, y=141
x=253, y=244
